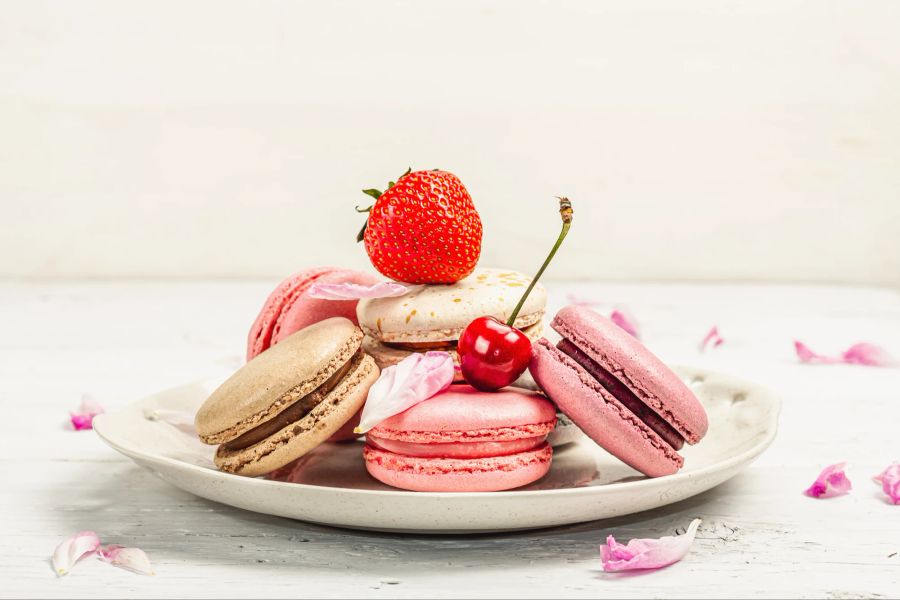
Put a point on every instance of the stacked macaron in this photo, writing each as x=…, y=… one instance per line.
x=431, y=317
x=289, y=399
x=618, y=392
x=463, y=440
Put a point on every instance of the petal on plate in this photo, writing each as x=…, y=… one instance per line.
x=867, y=354
x=72, y=549
x=808, y=356
x=132, y=559
x=890, y=482
x=831, y=482
x=416, y=378
x=711, y=339
x=626, y=321
x=355, y=291
x=648, y=553
x=83, y=418
x=179, y=419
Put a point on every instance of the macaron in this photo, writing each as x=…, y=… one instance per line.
x=463, y=440
x=432, y=317
x=288, y=399
x=618, y=392
x=288, y=308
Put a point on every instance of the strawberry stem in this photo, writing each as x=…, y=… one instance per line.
x=565, y=212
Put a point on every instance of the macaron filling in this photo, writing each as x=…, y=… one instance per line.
x=295, y=411
x=456, y=449
x=623, y=394
x=450, y=345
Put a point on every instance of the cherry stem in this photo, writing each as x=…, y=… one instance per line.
x=565, y=212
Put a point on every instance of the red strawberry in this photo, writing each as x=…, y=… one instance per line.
x=423, y=229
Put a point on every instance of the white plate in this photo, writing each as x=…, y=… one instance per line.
x=331, y=485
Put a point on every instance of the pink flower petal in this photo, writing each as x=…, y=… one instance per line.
x=626, y=321
x=83, y=418
x=862, y=353
x=890, y=482
x=831, y=482
x=867, y=354
x=132, y=559
x=179, y=419
x=355, y=291
x=712, y=337
x=647, y=553
x=573, y=299
x=72, y=549
x=416, y=378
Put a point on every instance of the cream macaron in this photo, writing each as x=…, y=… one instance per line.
x=432, y=317
x=288, y=399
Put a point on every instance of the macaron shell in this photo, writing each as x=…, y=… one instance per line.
x=462, y=449
x=288, y=309
x=463, y=413
x=260, y=336
x=303, y=310
x=276, y=378
x=295, y=440
x=490, y=474
x=440, y=312
x=599, y=415
x=635, y=366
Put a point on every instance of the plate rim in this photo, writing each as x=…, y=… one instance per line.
x=746, y=455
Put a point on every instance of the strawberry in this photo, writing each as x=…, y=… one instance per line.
x=423, y=229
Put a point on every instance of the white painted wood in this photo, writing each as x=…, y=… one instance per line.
x=760, y=536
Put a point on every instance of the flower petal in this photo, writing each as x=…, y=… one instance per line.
x=711, y=337
x=132, y=559
x=831, y=482
x=647, y=553
x=72, y=549
x=573, y=299
x=83, y=418
x=890, y=482
x=867, y=354
x=416, y=378
x=179, y=419
x=355, y=291
x=626, y=321
x=862, y=353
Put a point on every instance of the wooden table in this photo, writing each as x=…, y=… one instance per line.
x=760, y=537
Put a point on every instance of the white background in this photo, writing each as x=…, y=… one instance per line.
x=698, y=141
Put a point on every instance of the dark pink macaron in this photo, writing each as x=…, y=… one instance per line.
x=618, y=392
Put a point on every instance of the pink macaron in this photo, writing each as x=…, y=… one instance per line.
x=618, y=392
x=289, y=309
x=463, y=440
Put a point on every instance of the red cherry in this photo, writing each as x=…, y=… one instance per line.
x=492, y=354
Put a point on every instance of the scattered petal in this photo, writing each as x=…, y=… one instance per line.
x=626, y=321
x=712, y=338
x=72, y=549
x=179, y=419
x=857, y=354
x=416, y=378
x=83, y=418
x=355, y=291
x=831, y=482
x=867, y=354
x=647, y=553
x=132, y=559
x=890, y=482
x=573, y=299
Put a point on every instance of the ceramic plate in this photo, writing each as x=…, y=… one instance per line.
x=331, y=485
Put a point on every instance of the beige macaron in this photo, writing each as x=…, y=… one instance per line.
x=289, y=399
x=432, y=317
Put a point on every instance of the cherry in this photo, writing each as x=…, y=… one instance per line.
x=493, y=354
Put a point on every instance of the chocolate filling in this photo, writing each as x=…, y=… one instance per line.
x=445, y=345
x=623, y=394
x=295, y=411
